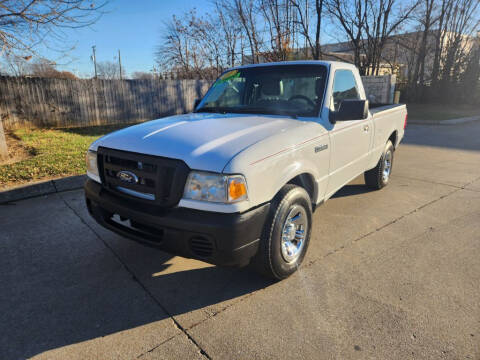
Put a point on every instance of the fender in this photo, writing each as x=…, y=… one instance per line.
x=267, y=174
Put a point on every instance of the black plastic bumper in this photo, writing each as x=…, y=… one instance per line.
x=217, y=238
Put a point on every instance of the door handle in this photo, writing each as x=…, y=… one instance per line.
x=366, y=128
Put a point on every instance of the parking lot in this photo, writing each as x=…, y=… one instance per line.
x=390, y=274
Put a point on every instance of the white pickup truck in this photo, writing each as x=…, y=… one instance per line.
x=236, y=181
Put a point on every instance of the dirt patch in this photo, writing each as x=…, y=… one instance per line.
x=17, y=150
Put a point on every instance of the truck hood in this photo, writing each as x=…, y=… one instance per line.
x=203, y=141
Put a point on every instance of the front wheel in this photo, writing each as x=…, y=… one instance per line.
x=286, y=233
x=379, y=176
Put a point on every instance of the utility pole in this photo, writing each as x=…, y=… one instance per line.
x=120, y=64
x=94, y=60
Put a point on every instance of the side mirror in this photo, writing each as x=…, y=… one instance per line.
x=195, y=103
x=350, y=110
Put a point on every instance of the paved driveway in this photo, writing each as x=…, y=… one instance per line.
x=391, y=274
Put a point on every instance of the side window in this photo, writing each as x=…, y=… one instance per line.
x=344, y=87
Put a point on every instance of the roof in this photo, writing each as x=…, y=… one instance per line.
x=297, y=62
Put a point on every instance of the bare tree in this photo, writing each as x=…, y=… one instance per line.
x=384, y=18
x=143, y=75
x=47, y=69
x=16, y=65
x=174, y=50
x=470, y=78
x=278, y=16
x=462, y=21
x=304, y=9
x=427, y=20
x=418, y=47
x=246, y=12
x=230, y=29
x=109, y=70
x=351, y=16
x=199, y=47
x=437, y=49
x=209, y=46
x=440, y=37
x=24, y=24
x=43, y=68
x=368, y=24
x=184, y=50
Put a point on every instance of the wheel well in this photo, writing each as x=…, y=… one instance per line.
x=393, y=138
x=307, y=182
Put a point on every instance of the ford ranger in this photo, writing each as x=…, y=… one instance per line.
x=236, y=181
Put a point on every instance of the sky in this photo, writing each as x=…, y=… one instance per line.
x=133, y=26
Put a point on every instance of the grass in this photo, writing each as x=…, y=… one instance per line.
x=53, y=153
x=441, y=111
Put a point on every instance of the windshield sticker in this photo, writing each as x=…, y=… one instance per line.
x=228, y=76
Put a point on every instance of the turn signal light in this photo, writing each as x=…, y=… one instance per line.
x=237, y=189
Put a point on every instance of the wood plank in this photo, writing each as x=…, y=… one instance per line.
x=3, y=143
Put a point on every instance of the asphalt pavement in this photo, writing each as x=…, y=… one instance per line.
x=390, y=274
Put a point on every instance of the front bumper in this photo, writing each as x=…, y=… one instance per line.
x=217, y=238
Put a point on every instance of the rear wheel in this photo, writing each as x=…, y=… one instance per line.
x=379, y=176
x=286, y=233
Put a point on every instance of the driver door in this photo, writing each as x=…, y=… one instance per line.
x=350, y=140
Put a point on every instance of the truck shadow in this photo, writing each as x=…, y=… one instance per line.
x=184, y=285
x=351, y=190
x=155, y=290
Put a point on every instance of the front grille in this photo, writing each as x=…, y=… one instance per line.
x=158, y=181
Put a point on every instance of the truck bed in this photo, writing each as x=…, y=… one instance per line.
x=377, y=108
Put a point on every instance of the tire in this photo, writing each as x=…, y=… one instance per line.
x=379, y=176
x=282, y=230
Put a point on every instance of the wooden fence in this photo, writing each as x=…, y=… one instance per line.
x=42, y=102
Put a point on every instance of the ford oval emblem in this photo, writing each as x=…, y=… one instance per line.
x=127, y=176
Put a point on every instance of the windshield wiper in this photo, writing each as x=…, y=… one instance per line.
x=266, y=111
x=212, y=110
x=247, y=110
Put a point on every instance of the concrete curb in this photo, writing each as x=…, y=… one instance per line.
x=43, y=188
x=445, y=122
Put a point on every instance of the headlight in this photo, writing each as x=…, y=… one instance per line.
x=215, y=187
x=92, y=167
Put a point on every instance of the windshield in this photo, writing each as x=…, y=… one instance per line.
x=281, y=90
